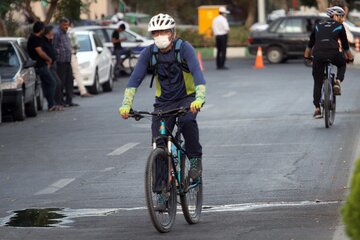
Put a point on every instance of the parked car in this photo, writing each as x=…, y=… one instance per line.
x=95, y=62
x=39, y=93
x=285, y=38
x=19, y=81
x=134, y=40
x=1, y=97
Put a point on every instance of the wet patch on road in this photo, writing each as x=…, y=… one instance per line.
x=50, y=217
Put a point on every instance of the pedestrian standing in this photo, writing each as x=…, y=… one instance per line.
x=220, y=27
x=35, y=48
x=75, y=66
x=49, y=49
x=62, y=46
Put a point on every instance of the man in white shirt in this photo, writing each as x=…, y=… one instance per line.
x=220, y=27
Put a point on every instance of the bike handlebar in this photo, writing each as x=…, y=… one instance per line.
x=172, y=112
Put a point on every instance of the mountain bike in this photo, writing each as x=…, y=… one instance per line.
x=166, y=174
x=328, y=98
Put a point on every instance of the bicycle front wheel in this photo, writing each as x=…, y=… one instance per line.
x=327, y=103
x=192, y=197
x=157, y=190
x=129, y=64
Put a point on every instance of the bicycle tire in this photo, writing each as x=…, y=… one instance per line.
x=191, y=201
x=129, y=64
x=162, y=221
x=333, y=110
x=327, y=103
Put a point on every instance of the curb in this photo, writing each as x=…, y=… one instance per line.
x=231, y=52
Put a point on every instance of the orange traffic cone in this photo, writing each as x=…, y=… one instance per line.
x=259, y=62
x=200, y=61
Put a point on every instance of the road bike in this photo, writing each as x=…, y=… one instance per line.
x=166, y=174
x=328, y=98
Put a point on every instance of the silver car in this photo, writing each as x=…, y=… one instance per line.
x=19, y=80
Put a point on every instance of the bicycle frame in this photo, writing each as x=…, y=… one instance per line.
x=173, y=143
x=329, y=75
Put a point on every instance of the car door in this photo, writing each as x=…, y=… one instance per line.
x=28, y=73
x=102, y=59
x=292, y=34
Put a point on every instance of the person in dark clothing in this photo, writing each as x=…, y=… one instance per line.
x=118, y=49
x=35, y=48
x=324, y=45
x=62, y=46
x=49, y=49
x=220, y=27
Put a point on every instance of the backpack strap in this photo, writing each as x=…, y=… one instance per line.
x=178, y=44
x=153, y=62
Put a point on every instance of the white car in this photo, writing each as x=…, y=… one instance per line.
x=95, y=62
x=133, y=40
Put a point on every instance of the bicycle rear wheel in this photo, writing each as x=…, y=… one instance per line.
x=333, y=109
x=327, y=103
x=192, y=197
x=157, y=171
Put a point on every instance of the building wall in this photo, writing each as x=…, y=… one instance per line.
x=106, y=7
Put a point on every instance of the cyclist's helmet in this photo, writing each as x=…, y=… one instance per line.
x=161, y=22
x=336, y=10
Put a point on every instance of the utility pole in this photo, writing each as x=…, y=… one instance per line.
x=261, y=11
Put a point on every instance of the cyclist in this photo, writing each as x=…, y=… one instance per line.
x=118, y=49
x=174, y=86
x=324, y=45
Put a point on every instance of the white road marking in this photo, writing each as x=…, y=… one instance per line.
x=70, y=214
x=56, y=186
x=107, y=169
x=122, y=149
x=229, y=94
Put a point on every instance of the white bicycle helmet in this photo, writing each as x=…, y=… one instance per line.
x=161, y=22
x=336, y=10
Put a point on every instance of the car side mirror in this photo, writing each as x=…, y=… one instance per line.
x=99, y=49
x=29, y=63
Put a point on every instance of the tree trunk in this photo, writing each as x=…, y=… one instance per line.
x=322, y=5
x=29, y=10
x=51, y=11
x=3, y=30
x=250, y=19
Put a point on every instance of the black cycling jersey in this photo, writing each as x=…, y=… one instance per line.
x=325, y=37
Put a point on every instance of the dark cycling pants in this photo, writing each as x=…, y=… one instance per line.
x=319, y=63
x=118, y=53
x=190, y=130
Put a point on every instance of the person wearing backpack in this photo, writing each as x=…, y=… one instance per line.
x=179, y=83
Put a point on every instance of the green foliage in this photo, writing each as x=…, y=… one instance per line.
x=69, y=9
x=6, y=6
x=351, y=208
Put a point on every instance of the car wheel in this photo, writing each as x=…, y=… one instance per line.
x=31, y=108
x=19, y=113
x=39, y=98
x=95, y=88
x=274, y=54
x=108, y=85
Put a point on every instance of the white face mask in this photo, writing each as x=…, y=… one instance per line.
x=162, y=41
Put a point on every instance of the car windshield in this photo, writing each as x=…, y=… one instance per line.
x=8, y=57
x=84, y=42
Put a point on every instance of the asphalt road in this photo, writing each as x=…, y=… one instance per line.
x=270, y=170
